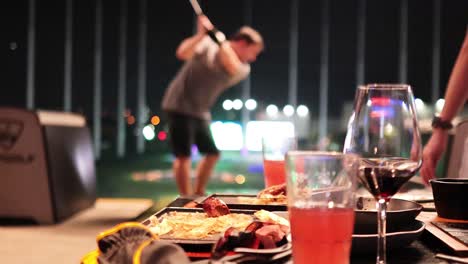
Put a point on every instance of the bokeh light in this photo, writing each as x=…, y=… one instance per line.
x=302, y=111
x=439, y=105
x=130, y=120
x=148, y=132
x=288, y=110
x=237, y=104
x=227, y=105
x=272, y=110
x=250, y=104
x=162, y=135
x=239, y=179
x=155, y=120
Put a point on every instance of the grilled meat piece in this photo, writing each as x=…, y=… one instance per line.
x=214, y=207
x=274, y=190
x=271, y=234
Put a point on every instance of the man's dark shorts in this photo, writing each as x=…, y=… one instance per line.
x=185, y=130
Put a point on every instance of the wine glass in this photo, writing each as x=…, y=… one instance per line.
x=384, y=131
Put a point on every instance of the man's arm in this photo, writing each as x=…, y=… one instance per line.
x=229, y=58
x=187, y=47
x=455, y=97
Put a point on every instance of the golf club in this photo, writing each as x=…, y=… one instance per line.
x=196, y=7
x=214, y=34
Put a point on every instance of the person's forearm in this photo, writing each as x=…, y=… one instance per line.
x=186, y=49
x=457, y=88
x=229, y=58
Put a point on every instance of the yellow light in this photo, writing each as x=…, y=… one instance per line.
x=239, y=179
x=155, y=120
x=388, y=130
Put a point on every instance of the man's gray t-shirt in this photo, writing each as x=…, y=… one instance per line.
x=199, y=82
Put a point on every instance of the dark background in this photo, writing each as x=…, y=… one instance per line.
x=170, y=21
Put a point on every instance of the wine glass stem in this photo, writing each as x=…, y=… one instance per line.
x=382, y=230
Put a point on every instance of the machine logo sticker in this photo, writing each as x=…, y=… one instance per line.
x=10, y=131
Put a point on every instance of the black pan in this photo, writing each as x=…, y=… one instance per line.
x=397, y=238
x=400, y=213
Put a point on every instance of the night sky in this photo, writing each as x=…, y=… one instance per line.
x=170, y=21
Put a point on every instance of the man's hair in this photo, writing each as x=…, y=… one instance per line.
x=247, y=34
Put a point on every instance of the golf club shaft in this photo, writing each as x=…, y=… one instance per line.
x=196, y=7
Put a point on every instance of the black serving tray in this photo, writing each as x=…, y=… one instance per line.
x=203, y=244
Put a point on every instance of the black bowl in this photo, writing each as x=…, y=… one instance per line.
x=400, y=213
x=450, y=198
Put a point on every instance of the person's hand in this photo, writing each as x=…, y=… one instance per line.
x=203, y=24
x=432, y=153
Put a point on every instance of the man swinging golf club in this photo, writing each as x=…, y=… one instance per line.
x=212, y=65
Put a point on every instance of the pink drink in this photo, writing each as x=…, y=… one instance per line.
x=274, y=172
x=321, y=235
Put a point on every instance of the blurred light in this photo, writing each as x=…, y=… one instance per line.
x=227, y=135
x=130, y=120
x=138, y=176
x=382, y=111
x=302, y=111
x=439, y=105
x=13, y=45
x=153, y=176
x=256, y=130
x=148, y=132
x=237, y=104
x=155, y=120
x=162, y=135
x=388, y=130
x=227, y=177
x=288, y=110
x=227, y=105
x=127, y=112
x=272, y=110
x=380, y=101
x=250, y=104
x=419, y=104
x=194, y=150
x=240, y=179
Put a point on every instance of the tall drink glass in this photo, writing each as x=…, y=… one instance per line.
x=274, y=149
x=321, y=189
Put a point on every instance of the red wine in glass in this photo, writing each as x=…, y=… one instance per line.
x=383, y=177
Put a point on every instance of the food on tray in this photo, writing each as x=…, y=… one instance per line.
x=273, y=195
x=187, y=225
x=196, y=225
x=274, y=190
x=214, y=207
x=270, y=218
x=271, y=234
x=266, y=231
x=276, y=200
